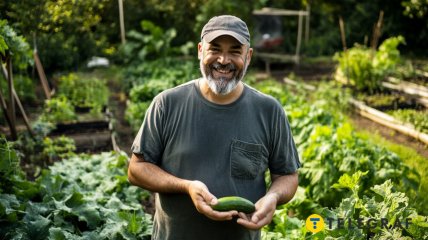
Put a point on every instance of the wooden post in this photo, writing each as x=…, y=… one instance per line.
x=342, y=32
x=18, y=102
x=24, y=116
x=377, y=31
x=299, y=37
x=308, y=17
x=122, y=22
x=42, y=75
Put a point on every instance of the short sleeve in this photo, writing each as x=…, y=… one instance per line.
x=149, y=141
x=283, y=158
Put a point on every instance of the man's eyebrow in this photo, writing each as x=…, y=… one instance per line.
x=237, y=46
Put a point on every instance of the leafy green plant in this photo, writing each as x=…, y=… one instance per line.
x=135, y=112
x=84, y=92
x=58, y=148
x=153, y=43
x=12, y=44
x=82, y=197
x=385, y=101
x=383, y=203
x=365, y=68
x=58, y=110
x=328, y=148
x=24, y=88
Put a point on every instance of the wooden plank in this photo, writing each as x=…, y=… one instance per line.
x=24, y=115
x=299, y=38
x=276, y=56
x=407, y=88
x=42, y=75
x=279, y=12
x=375, y=115
x=388, y=121
x=122, y=22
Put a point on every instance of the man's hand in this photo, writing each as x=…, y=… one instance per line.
x=203, y=200
x=265, y=208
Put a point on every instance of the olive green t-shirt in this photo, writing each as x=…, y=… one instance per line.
x=227, y=147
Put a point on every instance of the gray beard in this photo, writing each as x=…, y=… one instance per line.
x=221, y=86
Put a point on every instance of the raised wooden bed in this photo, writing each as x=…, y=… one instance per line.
x=374, y=115
x=94, y=135
x=419, y=92
x=388, y=121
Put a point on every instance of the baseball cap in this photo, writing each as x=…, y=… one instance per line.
x=226, y=25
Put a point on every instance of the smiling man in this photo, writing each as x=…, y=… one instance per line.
x=213, y=137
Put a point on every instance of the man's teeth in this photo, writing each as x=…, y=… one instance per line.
x=223, y=71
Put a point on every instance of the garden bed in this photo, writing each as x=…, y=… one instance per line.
x=388, y=101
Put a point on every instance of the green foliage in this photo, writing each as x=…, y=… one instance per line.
x=384, y=203
x=383, y=101
x=58, y=110
x=9, y=161
x=24, y=88
x=84, y=92
x=84, y=197
x=135, y=112
x=149, y=79
x=172, y=70
x=365, y=68
x=419, y=119
x=12, y=44
x=147, y=91
x=73, y=28
x=415, y=8
x=58, y=148
x=153, y=43
x=329, y=148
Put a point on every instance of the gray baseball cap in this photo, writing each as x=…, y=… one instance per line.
x=226, y=25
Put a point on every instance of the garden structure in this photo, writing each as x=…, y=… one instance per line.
x=270, y=37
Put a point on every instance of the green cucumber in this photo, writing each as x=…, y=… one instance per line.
x=234, y=203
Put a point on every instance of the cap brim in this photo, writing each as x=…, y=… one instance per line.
x=209, y=37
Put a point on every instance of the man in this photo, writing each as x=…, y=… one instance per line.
x=215, y=137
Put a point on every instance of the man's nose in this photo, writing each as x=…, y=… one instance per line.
x=223, y=59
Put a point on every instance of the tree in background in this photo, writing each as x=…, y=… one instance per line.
x=70, y=31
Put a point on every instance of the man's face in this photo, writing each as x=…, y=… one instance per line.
x=223, y=63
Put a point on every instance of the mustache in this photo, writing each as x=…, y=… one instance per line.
x=223, y=67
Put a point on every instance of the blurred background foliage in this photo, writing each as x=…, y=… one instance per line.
x=68, y=32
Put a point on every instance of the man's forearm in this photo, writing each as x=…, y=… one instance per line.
x=153, y=178
x=284, y=187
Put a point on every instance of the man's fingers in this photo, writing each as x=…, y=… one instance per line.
x=209, y=198
x=216, y=215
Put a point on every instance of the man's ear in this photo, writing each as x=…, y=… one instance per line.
x=249, y=55
x=200, y=50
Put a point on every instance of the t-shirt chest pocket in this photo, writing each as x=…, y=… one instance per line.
x=246, y=160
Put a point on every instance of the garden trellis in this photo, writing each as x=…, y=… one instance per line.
x=277, y=14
